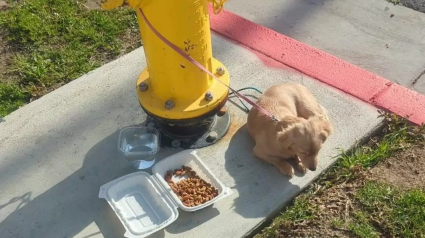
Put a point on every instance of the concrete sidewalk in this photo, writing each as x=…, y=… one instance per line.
x=383, y=38
x=57, y=151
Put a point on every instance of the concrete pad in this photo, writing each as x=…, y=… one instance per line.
x=57, y=151
x=361, y=32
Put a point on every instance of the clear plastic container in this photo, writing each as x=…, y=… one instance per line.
x=139, y=144
x=145, y=203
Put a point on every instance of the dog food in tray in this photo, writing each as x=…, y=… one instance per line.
x=147, y=203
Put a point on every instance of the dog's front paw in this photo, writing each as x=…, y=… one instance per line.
x=286, y=170
x=301, y=168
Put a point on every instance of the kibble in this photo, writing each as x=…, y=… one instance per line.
x=192, y=191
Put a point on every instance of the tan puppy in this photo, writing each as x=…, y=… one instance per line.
x=302, y=128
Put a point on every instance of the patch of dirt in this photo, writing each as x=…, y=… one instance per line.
x=3, y=5
x=334, y=203
x=6, y=50
x=405, y=169
x=93, y=4
x=131, y=41
x=6, y=54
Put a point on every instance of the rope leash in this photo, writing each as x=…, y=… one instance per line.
x=217, y=5
x=243, y=89
x=193, y=61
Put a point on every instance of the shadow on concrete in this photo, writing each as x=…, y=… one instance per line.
x=257, y=195
x=73, y=204
x=189, y=220
x=24, y=199
x=295, y=13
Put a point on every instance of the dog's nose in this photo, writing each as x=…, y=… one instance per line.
x=313, y=168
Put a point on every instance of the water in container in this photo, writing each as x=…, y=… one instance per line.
x=139, y=145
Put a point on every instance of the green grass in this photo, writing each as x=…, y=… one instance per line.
x=57, y=41
x=399, y=137
x=11, y=98
x=409, y=214
x=361, y=227
x=383, y=209
x=358, y=224
x=404, y=210
x=300, y=210
x=395, y=2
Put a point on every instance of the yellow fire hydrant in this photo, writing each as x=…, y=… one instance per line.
x=171, y=87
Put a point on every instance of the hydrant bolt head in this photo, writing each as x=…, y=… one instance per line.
x=209, y=96
x=212, y=136
x=169, y=104
x=220, y=71
x=143, y=86
x=175, y=143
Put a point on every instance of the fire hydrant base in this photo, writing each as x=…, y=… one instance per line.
x=153, y=100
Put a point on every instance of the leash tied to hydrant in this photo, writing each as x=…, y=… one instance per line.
x=193, y=61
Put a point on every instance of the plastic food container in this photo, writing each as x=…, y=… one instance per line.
x=145, y=203
x=139, y=144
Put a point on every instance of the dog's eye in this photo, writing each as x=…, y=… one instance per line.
x=303, y=153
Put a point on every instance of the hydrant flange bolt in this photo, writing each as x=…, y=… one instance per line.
x=209, y=96
x=175, y=143
x=222, y=111
x=220, y=71
x=143, y=86
x=169, y=104
x=212, y=136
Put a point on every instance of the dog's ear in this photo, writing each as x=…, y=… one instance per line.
x=286, y=135
x=285, y=138
x=289, y=121
x=326, y=130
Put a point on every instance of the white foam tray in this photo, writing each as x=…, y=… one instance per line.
x=145, y=203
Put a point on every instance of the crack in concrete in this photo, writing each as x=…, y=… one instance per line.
x=417, y=78
x=374, y=97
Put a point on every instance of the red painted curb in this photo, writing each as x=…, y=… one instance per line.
x=322, y=66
